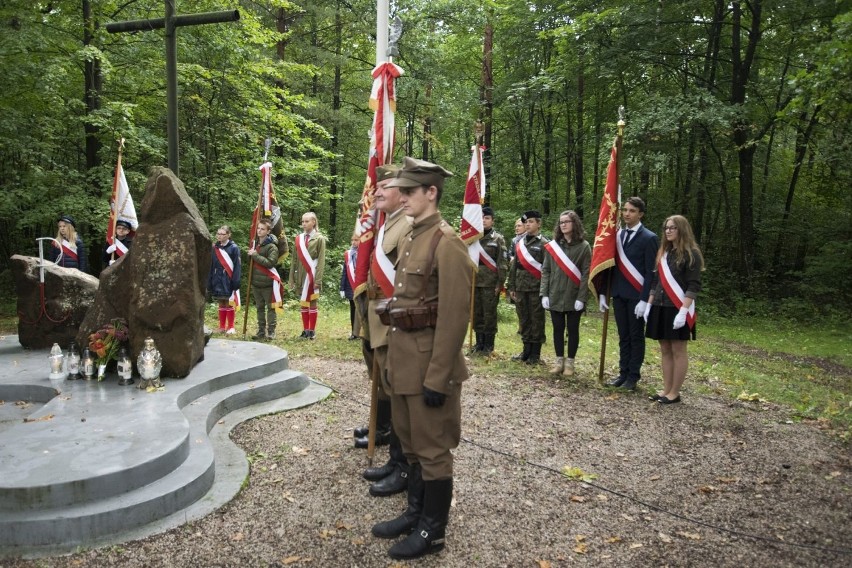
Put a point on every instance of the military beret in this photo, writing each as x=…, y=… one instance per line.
x=415, y=173
x=387, y=171
x=531, y=214
x=487, y=211
x=123, y=223
x=68, y=219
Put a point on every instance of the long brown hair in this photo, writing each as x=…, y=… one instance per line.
x=684, y=248
x=577, y=230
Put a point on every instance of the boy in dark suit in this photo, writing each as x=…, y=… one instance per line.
x=631, y=286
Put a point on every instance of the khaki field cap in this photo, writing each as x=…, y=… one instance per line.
x=415, y=173
x=387, y=171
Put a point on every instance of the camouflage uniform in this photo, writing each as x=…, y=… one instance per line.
x=487, y=290
x=526, y=287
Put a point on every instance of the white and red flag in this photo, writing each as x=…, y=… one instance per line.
x=121, y=204
x=382, y=135
x=474, y=195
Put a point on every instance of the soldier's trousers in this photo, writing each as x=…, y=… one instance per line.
x=531, y=316
x=485, y=310
x=265, y=312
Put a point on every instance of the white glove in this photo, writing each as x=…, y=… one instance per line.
x=602, y=303
x=342, y=294
x=680, y=319
x=647, y=311
x=639, y=311
x=110, y=249
x=111, y=262
x=545, y=302
x=578, y=306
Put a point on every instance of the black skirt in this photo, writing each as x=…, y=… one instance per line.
x=660, y=321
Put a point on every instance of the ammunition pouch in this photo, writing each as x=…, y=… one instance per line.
x=415, y=317
x=382, y=311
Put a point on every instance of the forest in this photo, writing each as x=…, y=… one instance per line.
x=737, y=115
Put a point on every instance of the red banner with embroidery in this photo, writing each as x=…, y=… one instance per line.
x=674, y=290
x=603, y=250
x=570, y=269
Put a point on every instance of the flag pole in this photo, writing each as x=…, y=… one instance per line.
x=478, y=132
x=618, y=140
x=114, y=205
x=266, y=144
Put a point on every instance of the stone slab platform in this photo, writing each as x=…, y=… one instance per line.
x=85, y=464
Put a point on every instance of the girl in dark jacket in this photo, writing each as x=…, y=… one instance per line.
x=72, y=248
x=670, y=314
x=224, y=280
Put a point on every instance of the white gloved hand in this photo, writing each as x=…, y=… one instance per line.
x=110, y=249
x=639, y=311
x=602, y=303
x=680, y=319
x=545, y=302
x=647, y=311
x=111, y=262
x=578, y=306
x=342, y=295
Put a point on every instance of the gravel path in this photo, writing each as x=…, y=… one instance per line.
x=709, y=482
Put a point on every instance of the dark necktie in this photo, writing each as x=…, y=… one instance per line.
x=627, y=234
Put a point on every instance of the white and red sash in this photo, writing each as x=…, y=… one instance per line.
x=228, y=265
x=310, y=266
x=626, y=267
x=526, y=259
x=486, y=259
x=673, y=289
x=570, y=269
x=276, y=283
x=68, y=250
x=120, y=248
x=350, y=267
x=381, y=268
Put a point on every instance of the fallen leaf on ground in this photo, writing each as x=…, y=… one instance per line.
x=654, y=477
x=237, y=536
x=707, y=489
x=291, y=559
x=689, y=535
x=300, y=451
x=358, y=541
x=543, y=563
x=727, y=479
x=665, y=538
x=343, y=526
x=636, y=545
x=577, y=498
x=602, y=497
x=833, y=474
x=580, y=537
x=578, y=474
x=581, y=548
x=613, y=540
x=42, y=419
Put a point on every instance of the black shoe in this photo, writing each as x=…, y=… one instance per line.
x=259, y=336
x=382, y=439
x=312, y=335
x=406, y=522
x=396, y=482
x=630, y=384
x=523, y=355
x=429, y=536
x=381, y=472
x=617, y=382
x=667, y=400
x=361, y=431
x=304, y=334
x=353, y=337
x=654, y=397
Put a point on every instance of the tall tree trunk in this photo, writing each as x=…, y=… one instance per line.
x=92, y=90
x=741, y=63
x=487, y=101
x=579, y=186
x=334, y=189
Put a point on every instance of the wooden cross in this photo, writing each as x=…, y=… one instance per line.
x=171, y=22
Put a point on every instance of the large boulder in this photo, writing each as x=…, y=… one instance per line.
x=160, y=285
x=55, y=316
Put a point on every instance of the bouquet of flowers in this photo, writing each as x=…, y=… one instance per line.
x=106, y=342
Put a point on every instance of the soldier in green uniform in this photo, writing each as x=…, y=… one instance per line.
x=428, y=316
x=490, y=278
x=524, y=285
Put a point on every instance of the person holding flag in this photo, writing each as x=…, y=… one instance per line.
x=267, y=282
x=224, y=280
x=490, y=277
x=636, y=250
x=670, y=312
x=525, y=284
x=347, y=280
x=70, y=247
x=122, y=241
x=565, y=286
x=306, y=272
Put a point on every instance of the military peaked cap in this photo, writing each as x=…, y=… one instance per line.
x=387, y=171
x=415, y=173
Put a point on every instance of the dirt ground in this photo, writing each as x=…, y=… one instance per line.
x=709, y=482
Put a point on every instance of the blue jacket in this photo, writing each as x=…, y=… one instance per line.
x=80, y=264
x=218, y=283
x=642, y=252
x=345, y=286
